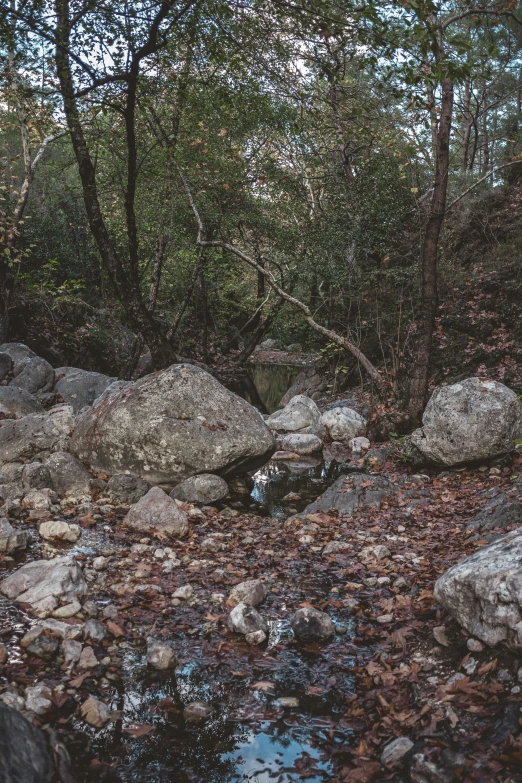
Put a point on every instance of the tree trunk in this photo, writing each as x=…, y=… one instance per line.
x=428, y=303
x=467, y=126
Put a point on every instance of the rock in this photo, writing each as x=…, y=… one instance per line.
x=197, y=712
x=158, y=514
x=380, y=552
x=471, y=420
x=126, y=489
x=302, y=444
x=252, y=592
x=94, y=631
x=95, y=712
x=184, y=593
x=395, y=750
x=79, y=388
x=43, y=583
x=18, y=352
x=43, y=645
x=483, y=592
x=24, y=757
x=424, y=771
x=270, y=345
x=38, y=699
x=161, y=654
x=16, y=403
x=6, y=365
x=41, y=499
x=62, y=630
x=11, y=540
x=439, y=634
x=301, y=414
x=343, y=424
x=351, y=493
x=69, y=476
x=474, y=645
x=170, y=425
x=57, y=530
x=11, y=700
x=69, y=610
x=245, y=619
x=311, y=625
x=36, y=476
x=255, y=637
x=205, y=488
x=336, y=547
x=33, y=375
x=88, y=659
x=288, y=702
x=71, y=651
x=359, y=444
x=501, y=508
x=4, y=655
x=36, y=435
x=310, y=382
x=100, y=563
x=294, y=348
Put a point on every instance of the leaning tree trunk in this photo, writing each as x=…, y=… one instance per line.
x=418, y=388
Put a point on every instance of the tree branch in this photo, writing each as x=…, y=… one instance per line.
x=486, y=176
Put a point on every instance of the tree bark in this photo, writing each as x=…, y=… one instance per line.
x=467, y=126
x=418, y=387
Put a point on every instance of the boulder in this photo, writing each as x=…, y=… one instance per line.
x=38, y=698
x=310, y=382
x=343, y=424
x=69, y=476
x=467, y=421
x=252, y=593
x=311, y=625
x=161, y=654
x=294, y=348
x=6, y=364
x=79, y=388
x=270, y=345
x=350, y=494
x=484, y=592
x=170, y=425
x=33, y=375
x=302, y=444
x=158, y=514
x=36, y=435
x=245, y=619
x=59, y=531
x=43, y=584
x=15, y=403
x=36, y=476
x=301, y=414
x=18, y=353
x=11, y=540
x=126, y=489
x=205, y=488
x=24, y=757
x=359, y=444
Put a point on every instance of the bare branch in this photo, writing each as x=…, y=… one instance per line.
x=486, y=176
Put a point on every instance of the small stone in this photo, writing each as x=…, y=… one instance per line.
x=439, y=633
x=384, y=618
x=383, y=580
x=94, y=631
x=90, y=609
x=100, y=563
x=401, y=583
x=197, y=712
x=69, y=610
x=381, y=552
x=87, y=660
x=396, y=750
x=159, y=554
x=211, y=544
x=57, y=530
x=109, y=611
x=161, y=654
x=288, y=702
x=401, y=529
x=504, y=676
x=455, y=678
x=470, y=666
x=336, y=547
x=516, y=689
x=255, y=637
x=71, y=651
x=252, y=592
x=359, y=444
x=184, y=593
x=474, y=645
x=38, y=699
x=311, y=625
x=95, y=712
x=12, y=700
x=245, y=619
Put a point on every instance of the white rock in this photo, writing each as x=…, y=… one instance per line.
x=255, y=637
x=252, y=592
x=395, y=750
x=57, y=530
x=343, y=424
x=38, y=699
x=95, y=712
x=301, y=444
x=45, y=583
x=245, y=619
x=300, y=414
x=88, y=659
x=359, y=444
x=184, y=593
x=161, y=655
x=157, y=513
x=100, y=563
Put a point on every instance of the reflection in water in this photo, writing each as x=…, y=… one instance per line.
x=307, y=477
x=263, y=385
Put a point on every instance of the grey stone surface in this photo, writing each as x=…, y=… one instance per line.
x=161, y=655
x=471, y=420
x=301, y=444
x=156, y=513
x=351, y=493
x=311, y=625
x=24, y=757
x=12, y=540
x=6, y=364
x=36, y=435
x=395, y=750
x=343, y=423
x=170, y=425
x=18, y=353
x=245, y=619
x=126, y=489
x=43, y=584
x=252, y=592
x=69, y=476
x=300, y=414
x=15, y=403
x=33, y=375
x=79, y=388
x=205, y=488
x=35, y=475
x=484, y=592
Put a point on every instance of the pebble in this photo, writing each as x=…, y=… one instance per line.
x=95, y=712
x=161, y=654
x=69, y=610
x=87, y=659
x=439, y=634
x=100, y=563
x=395, y=750
x=504, y=676
x=160, y=554
x=184, y=592
x=38, y=699
x=474, y=645
x=290, y=702
x=255, y=637
x=385, y=618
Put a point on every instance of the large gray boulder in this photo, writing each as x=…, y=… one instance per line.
x=301, y=414
x=205, y=488
x=350, y=494
x=15, y=403
x=43, y=584
x=34, y=375
x=158, y=514
x=69, y=476
x=36, y=435
x=171, y=425
x=343, y=423
x=6, y=364
x=470, y=420
x=24, y=755
x=79, y=387
x=18, y=353
x=484, y=592
x=126, y=489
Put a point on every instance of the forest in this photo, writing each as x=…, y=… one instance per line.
x=260, y=391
